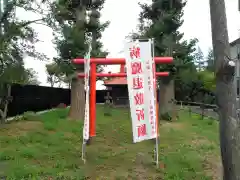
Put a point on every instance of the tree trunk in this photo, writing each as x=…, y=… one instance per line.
x=166, y=97
x=51, y=80
x=225, y=93
x=3, y=112
x=77, y=100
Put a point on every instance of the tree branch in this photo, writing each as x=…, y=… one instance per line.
x=9, y=7
x=30, y=22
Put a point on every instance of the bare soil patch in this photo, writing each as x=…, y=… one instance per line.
x=200, y=141
x=19, y=128
x=213, y=167
x=174, y=125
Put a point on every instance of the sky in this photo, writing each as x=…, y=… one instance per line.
x=123, y=17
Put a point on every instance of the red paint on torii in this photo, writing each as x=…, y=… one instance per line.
x=111, y=61
x=93, y=79
x=81, y=75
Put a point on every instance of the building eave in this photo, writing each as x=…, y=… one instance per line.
x=116, y=81
x=235, y=42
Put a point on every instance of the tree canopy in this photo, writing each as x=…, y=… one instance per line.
x=69, y=34
x=17, y=40
x=161, y=20
x=70, y=40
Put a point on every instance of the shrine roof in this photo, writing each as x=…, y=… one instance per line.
x=116, y=81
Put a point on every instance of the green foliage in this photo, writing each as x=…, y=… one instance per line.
x=17, y=39
x=54, y=74
x=209, y=79
x=17, y=73
x=31, y=77
x=161, y=20
x=199, y=59
x=210, y=61
x=187, y=84
x=69, y=33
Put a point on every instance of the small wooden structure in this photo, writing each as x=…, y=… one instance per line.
x=118, y=88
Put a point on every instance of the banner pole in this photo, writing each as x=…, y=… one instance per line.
x=156, y=104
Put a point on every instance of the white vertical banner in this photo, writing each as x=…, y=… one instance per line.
x=87, y=59
x=140, y=79
x=86, y=87
x=151, y=84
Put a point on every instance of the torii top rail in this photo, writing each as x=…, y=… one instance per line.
x=94, y=74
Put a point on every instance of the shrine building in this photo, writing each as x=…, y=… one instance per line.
x=118, y=88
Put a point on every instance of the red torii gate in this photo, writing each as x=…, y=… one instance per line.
x=93, y=79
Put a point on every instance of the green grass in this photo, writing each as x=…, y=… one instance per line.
x=49, y=146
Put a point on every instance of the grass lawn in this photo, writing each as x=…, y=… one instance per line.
x=49, y=147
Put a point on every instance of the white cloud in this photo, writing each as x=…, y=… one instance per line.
x=123, y=16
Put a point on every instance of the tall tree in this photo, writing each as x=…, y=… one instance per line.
x=161, y=20
x=225, y=92
x=17, y=39
x=70, y=30
x=17, y=73
x=210, y=61
x=14, y=73
x=31, y=77
x=54, y=74
x=199, y=59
